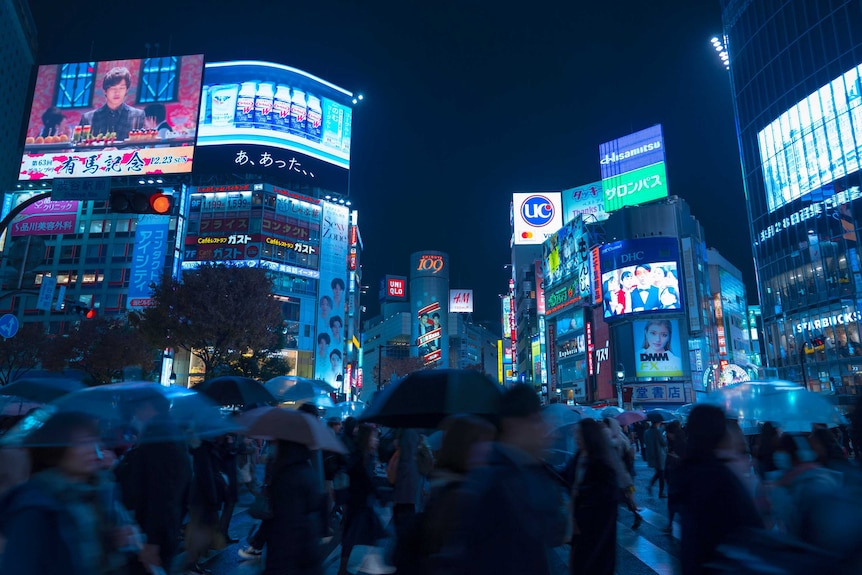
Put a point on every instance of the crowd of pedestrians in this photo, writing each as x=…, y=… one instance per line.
x=484, y=501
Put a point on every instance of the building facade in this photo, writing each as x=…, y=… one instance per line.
x=18, y=57
x=797, y=88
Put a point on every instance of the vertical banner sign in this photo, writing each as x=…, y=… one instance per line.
x=148, y=259
x=590, y=348
x=429, y=300
x=596, y=274
x=507, y=310
x=690, y=287
x=46, y=293
x=552, y=354
x=540, y=288
x=334, y=239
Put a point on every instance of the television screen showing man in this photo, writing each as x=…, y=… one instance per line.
x=115, y=119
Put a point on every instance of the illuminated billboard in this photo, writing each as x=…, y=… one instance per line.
x=587, y=201
x=536, y=216
x=657, y=348
x=113, y=118
x=460, y=301
x=393, y=288
x=262, y=103
x=640, y=276
x=566, y=254
x=814, y=142
x=633, y=169
x=329, y=360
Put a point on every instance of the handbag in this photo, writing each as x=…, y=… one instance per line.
x=260, y=508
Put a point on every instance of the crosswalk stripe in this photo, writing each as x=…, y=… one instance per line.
x=658, y=520
x=654, y=557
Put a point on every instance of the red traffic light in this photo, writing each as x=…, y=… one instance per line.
x=91, y=313
x=161, y=203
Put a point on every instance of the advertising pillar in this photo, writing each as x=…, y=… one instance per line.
x=429, y=302
x=334, y=233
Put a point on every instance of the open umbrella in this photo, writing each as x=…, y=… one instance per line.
x=629, y=417
x=296, y=389
x=425, y=398
x=792, y=407
x=235, y=390
x=587, y=412
x=320, y=401
x=41, y=389
x=683, y=411
x=186, y=413
x=344, y=410
x=660, y=415
x=611, y=411
x=558, y=416
x=290, y=425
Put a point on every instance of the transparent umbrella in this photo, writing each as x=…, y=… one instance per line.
x=184, y=413
x=345, y=409
x=297, y=389
x=792, y=407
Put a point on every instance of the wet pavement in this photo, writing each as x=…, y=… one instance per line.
x=647, y=551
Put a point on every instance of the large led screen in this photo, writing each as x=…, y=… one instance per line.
x=329, y=360
x=261, y=103
x=640, y=276
x=633, y=169
x=658, y=352
x=113, y=118
x=567, y=254
x=814, y=142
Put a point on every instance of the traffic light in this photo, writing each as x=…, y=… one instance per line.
x=82, y=310
x=141, y=201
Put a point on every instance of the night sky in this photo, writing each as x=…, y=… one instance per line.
x=466, y=103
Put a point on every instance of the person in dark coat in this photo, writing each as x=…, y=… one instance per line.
x=408, y=481
x=362, y=526
x=714, y=504
x=512, y=513
x=595, y=499
x=226, y=456
x=675, y=452
x=656, y=450
x=154, y=477
x=293, y=538
x=207, y=494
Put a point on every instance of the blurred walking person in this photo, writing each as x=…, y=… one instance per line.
x=595, y=497
x=713, y=502
x=362, y=526
x=511, y=514
x=623, y=460
x=656, y=455
x=295, y=530
x=676, y=446
x=65, y=519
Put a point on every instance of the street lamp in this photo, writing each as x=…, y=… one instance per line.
x=722, y=51
x=621, y=377
x=173, y=378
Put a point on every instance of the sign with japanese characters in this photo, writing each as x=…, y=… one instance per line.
x=113, y=118
x=44, y=218
x=461, y=301
x=253, y=102
x=81, y=189
x=658, y=393
x=334, y=240
x=566, y=254
x=587, y=201
x=148, y=259
x=633, y=169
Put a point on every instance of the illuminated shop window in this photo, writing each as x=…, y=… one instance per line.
x=75, y=85
x=159, y=79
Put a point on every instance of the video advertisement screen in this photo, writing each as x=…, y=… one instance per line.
x=640, y=276
x=113, y=118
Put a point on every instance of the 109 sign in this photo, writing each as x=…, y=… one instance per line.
x=430, y=263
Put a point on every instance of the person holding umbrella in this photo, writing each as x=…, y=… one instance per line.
x=64, y=520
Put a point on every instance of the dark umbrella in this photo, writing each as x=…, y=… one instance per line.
x=659, y=415
x=290, y=425
x=187, y=413
x=41, y=389
x=235, y=390
x=425, y=398
x=297, y=389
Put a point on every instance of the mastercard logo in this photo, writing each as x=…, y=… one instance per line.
x=526, y=235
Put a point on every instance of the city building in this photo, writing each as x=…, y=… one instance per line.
x=795, y=80
x=284, y=206
x=732, y=333
x=18, y=54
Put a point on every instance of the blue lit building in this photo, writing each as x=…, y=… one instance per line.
x=796, y=82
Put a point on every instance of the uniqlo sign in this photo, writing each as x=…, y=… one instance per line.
x=395, y=288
